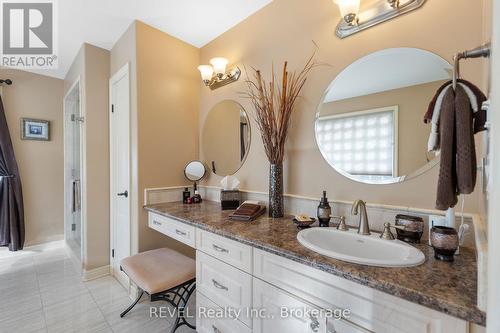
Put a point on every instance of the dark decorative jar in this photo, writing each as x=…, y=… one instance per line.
x=276, y=191
x=414, y=228
x=444, y=240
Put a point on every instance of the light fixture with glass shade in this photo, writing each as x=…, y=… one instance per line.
x=207, y=72
x=219, y=64
x=217, y=73
x=356, y=17
x=349, y=10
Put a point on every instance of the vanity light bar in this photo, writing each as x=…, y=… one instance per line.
x=384, y=10
x=217, y=74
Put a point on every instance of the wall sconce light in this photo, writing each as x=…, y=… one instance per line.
x=355, y=20
x=349, y=10
x=217, y=73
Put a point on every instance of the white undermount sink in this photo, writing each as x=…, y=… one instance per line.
x=365, y=250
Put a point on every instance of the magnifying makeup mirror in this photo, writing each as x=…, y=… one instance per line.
x=195, y=171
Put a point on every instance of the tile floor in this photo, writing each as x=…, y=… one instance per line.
x=42, y=291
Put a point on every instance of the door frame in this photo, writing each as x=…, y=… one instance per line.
x=83, y=237
x=118, y=75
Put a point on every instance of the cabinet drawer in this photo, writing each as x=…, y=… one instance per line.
x=212, y=324
x=370, y=309
x=226, y=286
x=282, y=312
x=177, y=230
x=231, y=252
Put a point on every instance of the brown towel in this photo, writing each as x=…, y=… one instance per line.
x=479, y=116
x=447, y=182
x=458, y=169
x=465, y=146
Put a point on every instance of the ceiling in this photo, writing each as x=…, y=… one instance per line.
x=387, y=70
x=102, y=22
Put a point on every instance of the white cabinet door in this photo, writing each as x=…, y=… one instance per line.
x=276, y=311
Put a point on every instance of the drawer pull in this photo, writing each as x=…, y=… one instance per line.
x=314, y=324
x=216, y=330
x=156, y=222
x=219, y=286
x=220, y=249
x=180, y=233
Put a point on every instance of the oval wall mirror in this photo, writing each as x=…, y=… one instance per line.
x=225, y=138
x=195, y=171
x=369, y=126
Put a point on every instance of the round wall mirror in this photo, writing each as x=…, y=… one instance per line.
x=225, y=138
x=369, y=126
x=195, y=171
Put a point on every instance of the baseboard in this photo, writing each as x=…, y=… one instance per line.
x=42, y=243
x=88, y=275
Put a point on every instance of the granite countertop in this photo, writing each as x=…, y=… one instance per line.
x=450, y=288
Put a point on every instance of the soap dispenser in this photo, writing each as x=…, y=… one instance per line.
x=324, y=211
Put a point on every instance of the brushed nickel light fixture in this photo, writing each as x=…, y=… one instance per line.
x=217, y=74
x=356, y=19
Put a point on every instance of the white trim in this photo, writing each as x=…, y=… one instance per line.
x=83, y=247
x=123, y=71
x=96, y=273
x=493, y=319
x=44, y=240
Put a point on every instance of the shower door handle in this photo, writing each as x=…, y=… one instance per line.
x=123, y=194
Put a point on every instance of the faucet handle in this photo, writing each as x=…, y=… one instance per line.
x=387, y=233
x=342, y=226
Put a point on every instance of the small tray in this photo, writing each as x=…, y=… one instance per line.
x=304, y=224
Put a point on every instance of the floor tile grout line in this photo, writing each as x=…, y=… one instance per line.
x=40, y=295
x=98, y=306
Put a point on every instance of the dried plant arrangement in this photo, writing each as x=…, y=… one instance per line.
x=274, y=104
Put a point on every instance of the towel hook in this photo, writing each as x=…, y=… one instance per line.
x=456, y=69
x=481, y=51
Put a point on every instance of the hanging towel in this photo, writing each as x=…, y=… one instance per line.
x=479, y=115
x=465, y=146
x=433, y=142
x=458, y=169
x=447, y=181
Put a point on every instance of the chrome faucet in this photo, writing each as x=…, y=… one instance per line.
x=363, y=228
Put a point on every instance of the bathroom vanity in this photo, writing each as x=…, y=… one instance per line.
x=260, y=265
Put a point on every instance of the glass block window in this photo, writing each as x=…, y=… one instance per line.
x=360, y=143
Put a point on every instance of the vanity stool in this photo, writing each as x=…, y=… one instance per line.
x=164, y=275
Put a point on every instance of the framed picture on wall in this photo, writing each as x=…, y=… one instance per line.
x=35, y=129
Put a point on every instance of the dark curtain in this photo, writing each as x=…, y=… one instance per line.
x=11, y=195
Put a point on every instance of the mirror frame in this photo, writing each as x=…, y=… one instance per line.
x=395, y=180
x=249, y=135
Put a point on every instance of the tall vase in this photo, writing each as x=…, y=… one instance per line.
x=276, y=190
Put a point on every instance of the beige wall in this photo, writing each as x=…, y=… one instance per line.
x=261, y=40
x=40, y=162
x=165, y=94
x=92, y=67
x=413, y=133
x=168, y=94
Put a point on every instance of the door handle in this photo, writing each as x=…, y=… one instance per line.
x=123, y=194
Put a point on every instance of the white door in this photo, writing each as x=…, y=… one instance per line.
x=278, y=311
x=120, y=170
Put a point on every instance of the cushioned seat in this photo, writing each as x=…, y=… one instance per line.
x=159, y=270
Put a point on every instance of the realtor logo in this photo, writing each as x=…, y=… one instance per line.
x=28, y=34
